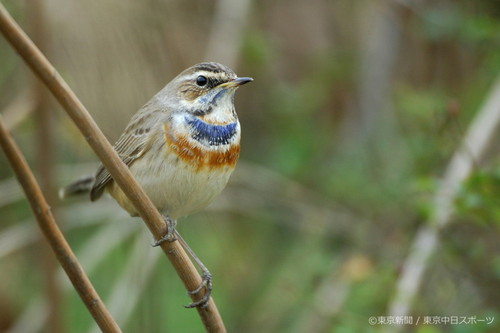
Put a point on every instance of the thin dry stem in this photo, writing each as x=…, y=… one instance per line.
x=121, y=175
x=91, y=255
x=472, y=149
x=53, y=234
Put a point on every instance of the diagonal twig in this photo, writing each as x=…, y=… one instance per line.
x=121, y=175
x=90, y=257
x=472, y=149
x=53, y=234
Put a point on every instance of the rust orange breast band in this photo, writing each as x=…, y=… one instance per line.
x=200, y=157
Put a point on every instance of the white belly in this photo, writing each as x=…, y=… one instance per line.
x=178, y=189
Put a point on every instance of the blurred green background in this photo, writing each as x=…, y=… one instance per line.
x=355, y=113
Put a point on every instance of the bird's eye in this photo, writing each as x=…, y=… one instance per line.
x=201, y=80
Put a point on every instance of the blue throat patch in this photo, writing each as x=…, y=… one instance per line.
x=214, y=135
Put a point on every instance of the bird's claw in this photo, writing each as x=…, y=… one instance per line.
x=207, y=284
x=170, y=235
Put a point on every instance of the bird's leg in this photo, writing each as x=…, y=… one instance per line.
x=171, y=233
x=205, y=274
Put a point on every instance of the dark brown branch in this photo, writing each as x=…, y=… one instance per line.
x=103, y=149
x=53, y=234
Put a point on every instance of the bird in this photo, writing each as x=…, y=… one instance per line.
x=181, y=147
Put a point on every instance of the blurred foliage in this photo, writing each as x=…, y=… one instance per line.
x=479, y=199
x=311, y=233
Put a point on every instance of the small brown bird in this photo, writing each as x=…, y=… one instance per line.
x=181, y=147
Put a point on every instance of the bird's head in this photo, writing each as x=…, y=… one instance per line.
x=204, y=88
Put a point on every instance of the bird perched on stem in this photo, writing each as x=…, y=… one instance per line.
x=181, y=147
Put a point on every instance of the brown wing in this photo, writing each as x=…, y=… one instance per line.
x=132, y=144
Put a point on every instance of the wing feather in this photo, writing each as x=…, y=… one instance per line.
x=135, y=141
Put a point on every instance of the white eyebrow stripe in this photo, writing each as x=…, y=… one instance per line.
x=206, y=74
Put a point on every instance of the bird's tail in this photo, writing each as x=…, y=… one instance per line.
x=80, y=186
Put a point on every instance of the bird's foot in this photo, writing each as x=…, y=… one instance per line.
x=205, y=284
x=170, y=235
